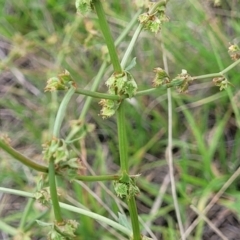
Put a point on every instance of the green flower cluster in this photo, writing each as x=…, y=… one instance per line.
x=122, y=84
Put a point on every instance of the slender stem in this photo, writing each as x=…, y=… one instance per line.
x=170, y=153
x=123, y=151
x=61, y=112
x=97, y=94
x=136, y=34
x=107, y=35
x=51, y=166
x=134, y=218
x=122, y=138
x=131, y=46
x=99, y=178
x=8, y=229
x=163, y=87
x=26, y=213
x=53, y=192
x=21, y=158
x=76, y=210
x=230, y=67
x=31, y=223
x=17, y=192
x=221, y=73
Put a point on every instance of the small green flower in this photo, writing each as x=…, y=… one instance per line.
x=153, y=22
x=126, y=189
x=65, y=77
x=109, y=107
x=185, y=78
x=62, y=82
x=234, y=51
x=221, y=82
x=67, y=229
x=161, y=77
x=121, y=189
x=54, y=84
x=43, y=196
x=118, y=84
x=55, y=149
x=122, y=84
x=83, y=6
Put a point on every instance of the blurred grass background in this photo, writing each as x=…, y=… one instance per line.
x=40, y=38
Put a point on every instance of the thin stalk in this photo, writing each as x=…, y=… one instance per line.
x=100, y=178
x=31, y=223
x=97, y=94
x=51, y=166
x=21, y=158
x=221, y=73
x=134, y=218
x=26, y=213
x=123, y=151
x=107, y=35
x=131, y=46
x=163, y=87
x=8, y=229
x=136, y=34
x=122, y=138
x=170, y=154
x=76, y=210
x=61, y=112
x=53, y=192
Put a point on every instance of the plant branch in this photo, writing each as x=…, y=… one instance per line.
x=219, y=74
x=134, y=218
x=61, y=112
x=97, y=94
x=107, y=35
x=123, y=151
x=51, y=166
x=136, y=34
x=170, y=154
x=53, y=191
x=76, y=210
x=101, y=178
x=122, y=138
x=21, y=158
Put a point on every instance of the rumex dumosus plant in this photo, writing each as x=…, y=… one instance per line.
x=121, y=86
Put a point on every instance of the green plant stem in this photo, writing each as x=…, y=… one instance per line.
x=97, y=94
x=139, y=93
x=136, y=34
x=8, y=229
x=53, y=192
x=131, y=46
x=99, y=178
x=61, y=112
x=76, y=210
x=21, y=158
x=32, y=222
x=123, y=151
x=219, y=74
x=163, y=87
x=134, y=218
x=51, y=167
x=122, y=138
x=25, y=213
x=107, y=35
